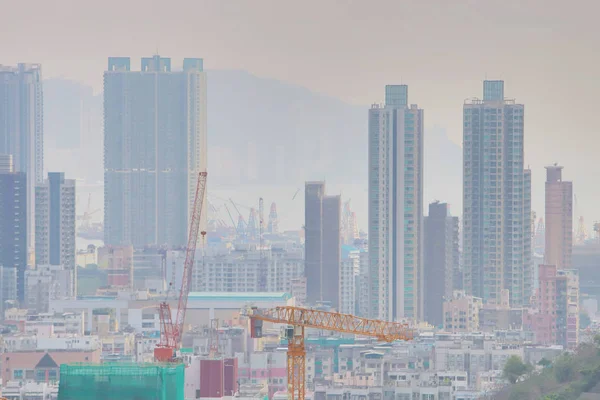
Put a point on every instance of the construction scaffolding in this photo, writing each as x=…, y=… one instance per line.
x=121, y=381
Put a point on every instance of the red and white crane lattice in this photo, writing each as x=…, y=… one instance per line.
x=170, y=334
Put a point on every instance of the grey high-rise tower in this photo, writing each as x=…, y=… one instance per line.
x=496, y=199
x=55, y=221
x=395, y=207
x=22, y=128
x=13, y=231
x=322, y=222
x=154, y=148
x=441, y=261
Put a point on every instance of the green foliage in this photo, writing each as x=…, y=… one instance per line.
x=544, y=362
x=597, y=340
x=566, y=378
x=514, y=369
x=519, y=393
x=584, y=320
x=552, y=396
x=564, y=368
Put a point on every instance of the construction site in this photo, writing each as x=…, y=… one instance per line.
x=121, y=381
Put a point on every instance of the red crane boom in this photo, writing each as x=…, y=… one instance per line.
x=171, y=333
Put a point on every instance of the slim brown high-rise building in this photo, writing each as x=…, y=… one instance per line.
x=322, y=219
x=559, y=219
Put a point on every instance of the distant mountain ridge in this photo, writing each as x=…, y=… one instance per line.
x=269, y=132
x=261, y=132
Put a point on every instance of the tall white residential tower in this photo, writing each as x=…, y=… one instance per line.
x=395, y=207
x=497, y=218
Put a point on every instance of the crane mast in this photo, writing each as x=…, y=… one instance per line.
x=298, y=319
x=171, y=333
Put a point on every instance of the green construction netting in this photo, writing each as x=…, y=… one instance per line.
x=121, y=381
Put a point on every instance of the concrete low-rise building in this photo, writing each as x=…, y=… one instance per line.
x=33, y=342
x=16, y=390
x=48, y=282
x=201, y=307
x=239, y=270
x=40, y=365
x=461, y=313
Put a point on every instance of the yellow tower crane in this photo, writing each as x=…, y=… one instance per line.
x=298, y=318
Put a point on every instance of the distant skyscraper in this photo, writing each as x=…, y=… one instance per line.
x=13, y=232
x=322, y=244
x=349, y=279
x=349, y=225
x=273, y=225
x=154, y=148
x=55, y=221
x=396, y=206
x=22, y=128
x=559, y=219
x=497, y=218
x=441, y=259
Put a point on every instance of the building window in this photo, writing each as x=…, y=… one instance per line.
x=40, y=375
x=53, y=375
x=18, y=374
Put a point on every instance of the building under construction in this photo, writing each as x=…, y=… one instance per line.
x=121, y=381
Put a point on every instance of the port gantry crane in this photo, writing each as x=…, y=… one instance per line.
x=171, y=333
x=298, y=318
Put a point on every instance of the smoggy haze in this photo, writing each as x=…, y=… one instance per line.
x=546, y=51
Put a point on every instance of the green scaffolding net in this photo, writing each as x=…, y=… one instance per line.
x=121, y=381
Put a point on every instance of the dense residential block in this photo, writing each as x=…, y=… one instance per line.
x=13, y=232
x=497, y=218
x=154, y=147
x=395, y=207
x=55, y=221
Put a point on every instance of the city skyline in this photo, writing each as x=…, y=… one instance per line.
x=440, y=88
x=381, y=218
x=290, y=221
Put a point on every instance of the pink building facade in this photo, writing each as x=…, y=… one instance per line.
x=542, y=320
x=555, y=318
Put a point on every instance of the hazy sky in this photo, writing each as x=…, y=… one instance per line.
x=547, y=51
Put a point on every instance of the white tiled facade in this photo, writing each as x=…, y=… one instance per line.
x=349, y=272
x=496, y=199
x=238, y=270
x=395, y=207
